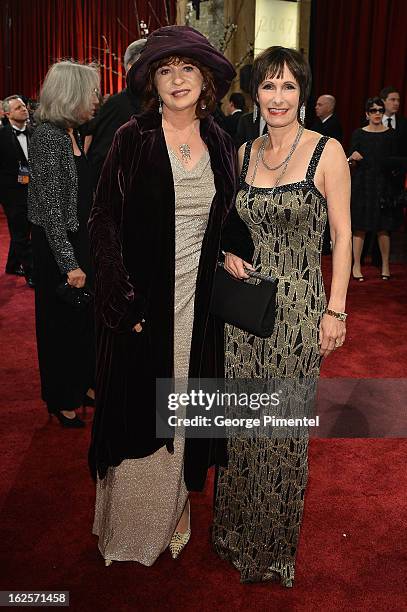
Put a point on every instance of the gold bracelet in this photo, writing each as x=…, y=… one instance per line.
x=341, y=316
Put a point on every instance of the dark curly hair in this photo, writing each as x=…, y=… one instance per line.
x=207, y=97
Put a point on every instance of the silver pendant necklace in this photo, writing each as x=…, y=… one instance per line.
x=185, y=152
x=184, y=147
x=278, y=181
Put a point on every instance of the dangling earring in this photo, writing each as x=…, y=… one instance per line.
x=302, y=114
x=255, y=112
x=202, y=104
x=160, y=105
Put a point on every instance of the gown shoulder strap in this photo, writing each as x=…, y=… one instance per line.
x=246, y=160
x=316, y=156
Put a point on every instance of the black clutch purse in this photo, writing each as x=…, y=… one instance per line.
x=251, y=307
x=79, y=299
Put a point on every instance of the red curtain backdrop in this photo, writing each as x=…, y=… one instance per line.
x=358, y=47
x=36, y=33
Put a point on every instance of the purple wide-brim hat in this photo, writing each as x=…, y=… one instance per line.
x=181, y=41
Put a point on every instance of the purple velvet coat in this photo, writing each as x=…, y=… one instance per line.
x=132, y=231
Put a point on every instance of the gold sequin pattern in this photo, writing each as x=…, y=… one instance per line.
x=260, y=495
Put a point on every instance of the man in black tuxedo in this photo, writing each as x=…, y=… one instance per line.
x=247, y=130
x=327, y=123
x=114, y=113
x=14, y=178
x=392, y=119
x=235, y=109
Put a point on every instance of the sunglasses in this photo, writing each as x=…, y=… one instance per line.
x=373, y=111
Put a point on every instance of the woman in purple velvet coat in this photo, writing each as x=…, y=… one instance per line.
x=165, y=191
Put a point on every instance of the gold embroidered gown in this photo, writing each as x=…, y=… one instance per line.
x=260, y=495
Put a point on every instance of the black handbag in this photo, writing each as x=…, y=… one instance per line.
x=249, y=306
x=79, y=299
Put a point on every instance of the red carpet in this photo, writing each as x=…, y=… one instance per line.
x=352, y=551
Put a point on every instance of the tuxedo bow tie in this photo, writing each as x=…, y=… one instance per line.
x=19, y=132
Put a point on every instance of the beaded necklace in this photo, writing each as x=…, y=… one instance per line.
x=260, y=154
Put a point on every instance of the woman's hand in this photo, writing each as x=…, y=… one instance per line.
x=356, y=156
x=138, y=327
x=332, y=333
x=76, y=278
x=235, y=266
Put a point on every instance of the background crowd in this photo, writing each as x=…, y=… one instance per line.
x=377, y=162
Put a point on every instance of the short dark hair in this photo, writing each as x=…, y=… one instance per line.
x=370, y=102
x=207, y=97
x=271, y=62
x=388, y=90
x=238, y=100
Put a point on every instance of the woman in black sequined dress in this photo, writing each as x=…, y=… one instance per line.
x=59, y=202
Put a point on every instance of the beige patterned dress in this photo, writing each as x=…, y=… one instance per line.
x=260, y=495
x=139, y=503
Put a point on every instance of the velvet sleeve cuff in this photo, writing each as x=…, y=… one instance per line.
x=123, y=310
x=236, y=237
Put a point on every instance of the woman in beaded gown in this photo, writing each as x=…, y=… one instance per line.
x=165, y=190
x=291, y=180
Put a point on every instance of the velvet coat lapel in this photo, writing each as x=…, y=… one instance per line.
x=132, y=230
